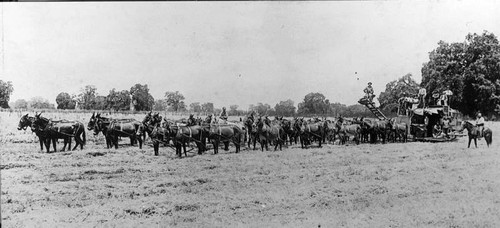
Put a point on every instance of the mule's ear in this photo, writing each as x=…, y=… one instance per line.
x=93, y=115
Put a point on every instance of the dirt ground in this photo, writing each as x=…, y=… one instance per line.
x=384, y=185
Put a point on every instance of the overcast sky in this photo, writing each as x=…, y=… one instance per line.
x=229, y=52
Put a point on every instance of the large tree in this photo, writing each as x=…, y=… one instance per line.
x=262, y=109
x=175, y=100
x=285, y=108
x=208, y=107
x=65, y=101
x=233, y=110
x=40, y=103
x=141, y=98
x=195, y=107
x=87, y=97
x=160, y=105
x=404, y=86
x=471, y=70
x=6, y=90
x=314, y=103
x=118, y=100
x=21, y=104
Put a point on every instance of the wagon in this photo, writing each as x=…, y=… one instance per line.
x=424, y=120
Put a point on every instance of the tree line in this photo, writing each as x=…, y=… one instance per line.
x=470, y=69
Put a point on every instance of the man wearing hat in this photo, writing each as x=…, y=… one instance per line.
x=446, y=125
x=223, y=114
x=480, y=124
x=369, y=92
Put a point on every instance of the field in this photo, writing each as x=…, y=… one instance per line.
x=393, y=185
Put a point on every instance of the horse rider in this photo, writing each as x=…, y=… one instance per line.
x=223, y=114
x=369, y=92
x=208, y=119
x=191, y=120
x=480, y=124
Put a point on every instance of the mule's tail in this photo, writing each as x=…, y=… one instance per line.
x=84, y=137
x=488, y=138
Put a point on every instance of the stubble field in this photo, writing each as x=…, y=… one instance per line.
x=392, y=185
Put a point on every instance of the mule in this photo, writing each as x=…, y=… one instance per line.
x=28, y=121
x=61, y=129
x=130, y=129
x=399, y=130
x=310, y=132
x=101, y=124
x=226, y=133
x=181, y=135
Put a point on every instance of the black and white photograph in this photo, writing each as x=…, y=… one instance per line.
x=250, y=114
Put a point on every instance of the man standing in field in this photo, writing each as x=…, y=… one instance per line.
x=369, y=93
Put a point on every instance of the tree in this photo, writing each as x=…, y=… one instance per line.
x=65, y=101
x=141, y=98
x=314, y=103
x=6, y=90
x=262, y=109
x=285, y=108
x=470, y=69
x=160, y=105
x=100, y=103
x=86, y=98
x=195, y=107
x=404, y=86
x=233, y=110
x=175, y=100
x=337, y=109
x=40, y=103
x=20, y=104
x=118, y=100
x=208, y=107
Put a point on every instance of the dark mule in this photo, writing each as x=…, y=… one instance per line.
x=277, y=134
x=61, y=129
x=473, y=133
x=251, y=131
x=158, y=133
x=119, y=128
x=226, y=133
x=28, y=121
x=344, y=132
x=101, y=124
x=310, y=132
x=380, y=128
x=182, y=135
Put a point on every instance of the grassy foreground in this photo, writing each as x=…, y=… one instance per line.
x=391, y=185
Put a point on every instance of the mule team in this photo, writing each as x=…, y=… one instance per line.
x=249, y=130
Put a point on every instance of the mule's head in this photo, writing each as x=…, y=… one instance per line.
x=92, y=122
x=24, y=122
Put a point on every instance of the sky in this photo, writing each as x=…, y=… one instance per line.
x=229, y=52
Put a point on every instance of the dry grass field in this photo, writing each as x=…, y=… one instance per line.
x=393, y=185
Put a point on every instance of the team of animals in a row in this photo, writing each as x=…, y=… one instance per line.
x=248, y=131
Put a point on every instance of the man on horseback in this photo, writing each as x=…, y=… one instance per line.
x=191, y=120
x=480, y=125
x=208, y=119
x=369, y=93
x=223, y=114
